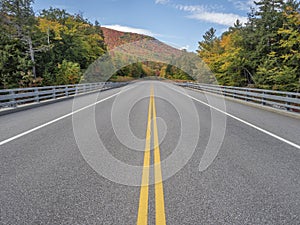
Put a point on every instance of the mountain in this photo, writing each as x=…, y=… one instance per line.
x=148, y=46
x=114, y=38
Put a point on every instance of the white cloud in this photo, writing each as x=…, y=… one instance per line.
x=207, y=14
x=190, y=8
x=197, y=8
x=243, y=5
x=226, y=19
x=162, y=1
x=187, y=47
x=129, y=29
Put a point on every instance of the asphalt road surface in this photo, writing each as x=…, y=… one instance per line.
x=149, y=153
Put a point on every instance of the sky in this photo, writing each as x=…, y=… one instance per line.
x=179, y=23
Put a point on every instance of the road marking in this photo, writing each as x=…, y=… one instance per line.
x=160, y=216
x=242, y=121
x=59, y=118
x=143, y=204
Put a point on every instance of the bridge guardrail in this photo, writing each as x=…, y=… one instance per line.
x=12, y=98
x=277, y=99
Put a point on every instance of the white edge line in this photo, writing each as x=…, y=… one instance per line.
x=242, y=121
x=59, y=118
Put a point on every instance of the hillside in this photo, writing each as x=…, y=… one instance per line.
x=146, y=45
x=114, y=38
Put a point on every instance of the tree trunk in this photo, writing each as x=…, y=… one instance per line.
x=31, y=51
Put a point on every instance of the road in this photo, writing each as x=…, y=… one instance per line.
x=150, y=152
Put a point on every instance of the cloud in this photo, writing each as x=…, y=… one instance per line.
x=190, y=8
x=242, y=5
x=226, y=19
x=197, y=8
x=129, y=29
x=187, y=47
x=207, y=14
x=163, y=2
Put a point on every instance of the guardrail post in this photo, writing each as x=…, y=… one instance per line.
x=13, y=101
x=263, y=98
x=246, y=97
x=224, y=91
x=66, y=91
x=287, y=103
x=37, y=96
x=54, y=93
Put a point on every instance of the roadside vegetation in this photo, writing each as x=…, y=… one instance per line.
x=54, y=47
x=51, y=48
x=263, y=53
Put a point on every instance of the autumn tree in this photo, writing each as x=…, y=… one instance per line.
x=264, y=52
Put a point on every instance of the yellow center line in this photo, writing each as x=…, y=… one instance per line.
x=160, y=216
x=143, y=204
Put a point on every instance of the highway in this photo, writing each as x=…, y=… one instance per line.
x=149, y=153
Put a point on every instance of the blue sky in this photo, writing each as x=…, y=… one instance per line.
x=180, y=23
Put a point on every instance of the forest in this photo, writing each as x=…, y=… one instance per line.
x=52, y=48
x=55, y=47
x=263, y=53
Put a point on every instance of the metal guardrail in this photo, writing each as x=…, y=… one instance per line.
x=18, y=96
x=277, y=99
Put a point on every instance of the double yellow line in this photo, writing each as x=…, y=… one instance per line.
x=160, y=216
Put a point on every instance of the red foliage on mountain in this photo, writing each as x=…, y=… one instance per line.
x=114, y=38
x=144, y=55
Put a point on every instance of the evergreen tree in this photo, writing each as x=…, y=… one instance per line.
x=19, y=15
x=265, y=51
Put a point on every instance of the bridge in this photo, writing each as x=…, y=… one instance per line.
x=150, y=152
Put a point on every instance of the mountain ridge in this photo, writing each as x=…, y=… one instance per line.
x=114, y=38
x=155, y=55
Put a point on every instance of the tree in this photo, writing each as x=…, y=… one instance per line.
x=20, y=16
x=266, y=50
x=209, y=49
x=71, y=38
x=68, y=73
x=209, y=38
x=280, y=66
x=35, y=45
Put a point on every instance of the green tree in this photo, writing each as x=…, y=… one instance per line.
x=15, y=22
x=19, y=15
x=68, y=73
x=71, y=38
x=266, y=50
x=209, y=49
